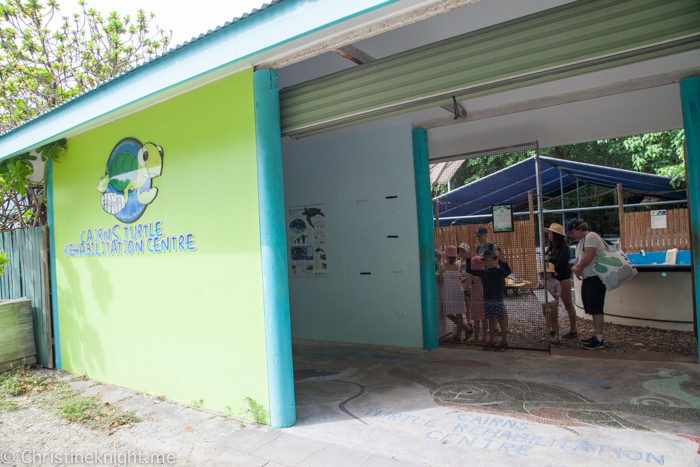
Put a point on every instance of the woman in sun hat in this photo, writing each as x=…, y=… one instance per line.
x=452, y=293
x=548, y=282
x=558, y=254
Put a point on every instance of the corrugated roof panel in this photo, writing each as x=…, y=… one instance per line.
x=572, y=39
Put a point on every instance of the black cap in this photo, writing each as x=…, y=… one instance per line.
x=572, y=225
x=481, y=231
x=488, y=254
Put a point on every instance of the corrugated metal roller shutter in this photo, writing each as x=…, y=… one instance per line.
x=576, y=38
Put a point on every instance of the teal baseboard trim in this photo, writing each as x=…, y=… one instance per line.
x=52, y=266
x=273, y=247
x=426, y=243
x=690, y=100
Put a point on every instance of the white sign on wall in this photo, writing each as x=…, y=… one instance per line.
x=658, y=219
x=502, y=218
x=306, y=231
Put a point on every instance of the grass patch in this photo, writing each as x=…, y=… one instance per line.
x=252, y=410
x=55, y=395
x=8, y=405
x=21, y=380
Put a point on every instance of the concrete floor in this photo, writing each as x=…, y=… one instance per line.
x=453, y=407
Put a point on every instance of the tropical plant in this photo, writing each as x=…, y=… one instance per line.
x=40, y=68
x=21, y=199
x=3, y=261
x=660, y=153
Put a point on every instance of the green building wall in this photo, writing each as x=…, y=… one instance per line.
x=189, y=324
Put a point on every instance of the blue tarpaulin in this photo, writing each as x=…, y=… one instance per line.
x=511, y=186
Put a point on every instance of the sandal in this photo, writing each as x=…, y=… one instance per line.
x=570, y=335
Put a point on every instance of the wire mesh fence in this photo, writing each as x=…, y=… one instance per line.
x=492, y=290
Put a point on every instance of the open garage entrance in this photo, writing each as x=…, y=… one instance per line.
x=359, y=159
x=359, y=148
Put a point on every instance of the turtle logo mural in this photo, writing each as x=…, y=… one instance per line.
x=126, y=185
x=541, y=403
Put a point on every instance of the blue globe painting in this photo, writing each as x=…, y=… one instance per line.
x=297, y=226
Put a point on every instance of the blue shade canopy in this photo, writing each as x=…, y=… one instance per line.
x=511, y=186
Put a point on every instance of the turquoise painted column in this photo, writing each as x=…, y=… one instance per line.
x=426, y=248
x=273, y=246
x=52, y=265
x=690, y=100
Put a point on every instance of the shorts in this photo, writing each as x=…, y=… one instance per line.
x=593, y=295
x=493, y=308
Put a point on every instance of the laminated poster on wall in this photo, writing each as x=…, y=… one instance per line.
x=502, y=218
x=306, y=229
x=658, y=219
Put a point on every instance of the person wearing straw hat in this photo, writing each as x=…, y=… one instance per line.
x=547, y=281
x=558, y=254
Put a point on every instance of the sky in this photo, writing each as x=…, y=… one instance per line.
x=186, y=19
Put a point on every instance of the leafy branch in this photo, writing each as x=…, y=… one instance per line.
x=41, y=68
x=22, y=200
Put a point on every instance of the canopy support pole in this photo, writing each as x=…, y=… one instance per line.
x=578, y=200
x=543, y=260
x=621, y=215
x=561, y=193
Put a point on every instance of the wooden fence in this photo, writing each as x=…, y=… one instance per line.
x=637, y=234
x=518, y=246
x=26, y=275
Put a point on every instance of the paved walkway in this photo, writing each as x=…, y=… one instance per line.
x=199, y=437
x=361, y=406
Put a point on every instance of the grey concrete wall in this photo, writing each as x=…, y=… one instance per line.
x=353, y=176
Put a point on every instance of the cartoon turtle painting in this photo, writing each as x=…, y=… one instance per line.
x=541, y=403
x=127, y=178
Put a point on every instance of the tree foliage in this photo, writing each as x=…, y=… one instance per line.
x=22, y=201
x=659, y=153
x=40, y=68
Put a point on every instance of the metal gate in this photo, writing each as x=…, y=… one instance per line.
x=500, y=227
x=26, y=275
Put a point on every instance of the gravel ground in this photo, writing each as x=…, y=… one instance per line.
x=527, y=330
x=633, y=339
x=190, y=436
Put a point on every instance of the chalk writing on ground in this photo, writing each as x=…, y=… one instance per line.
x=477, y=431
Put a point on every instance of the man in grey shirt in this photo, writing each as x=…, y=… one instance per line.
x=484, y=244
x=592, y=288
